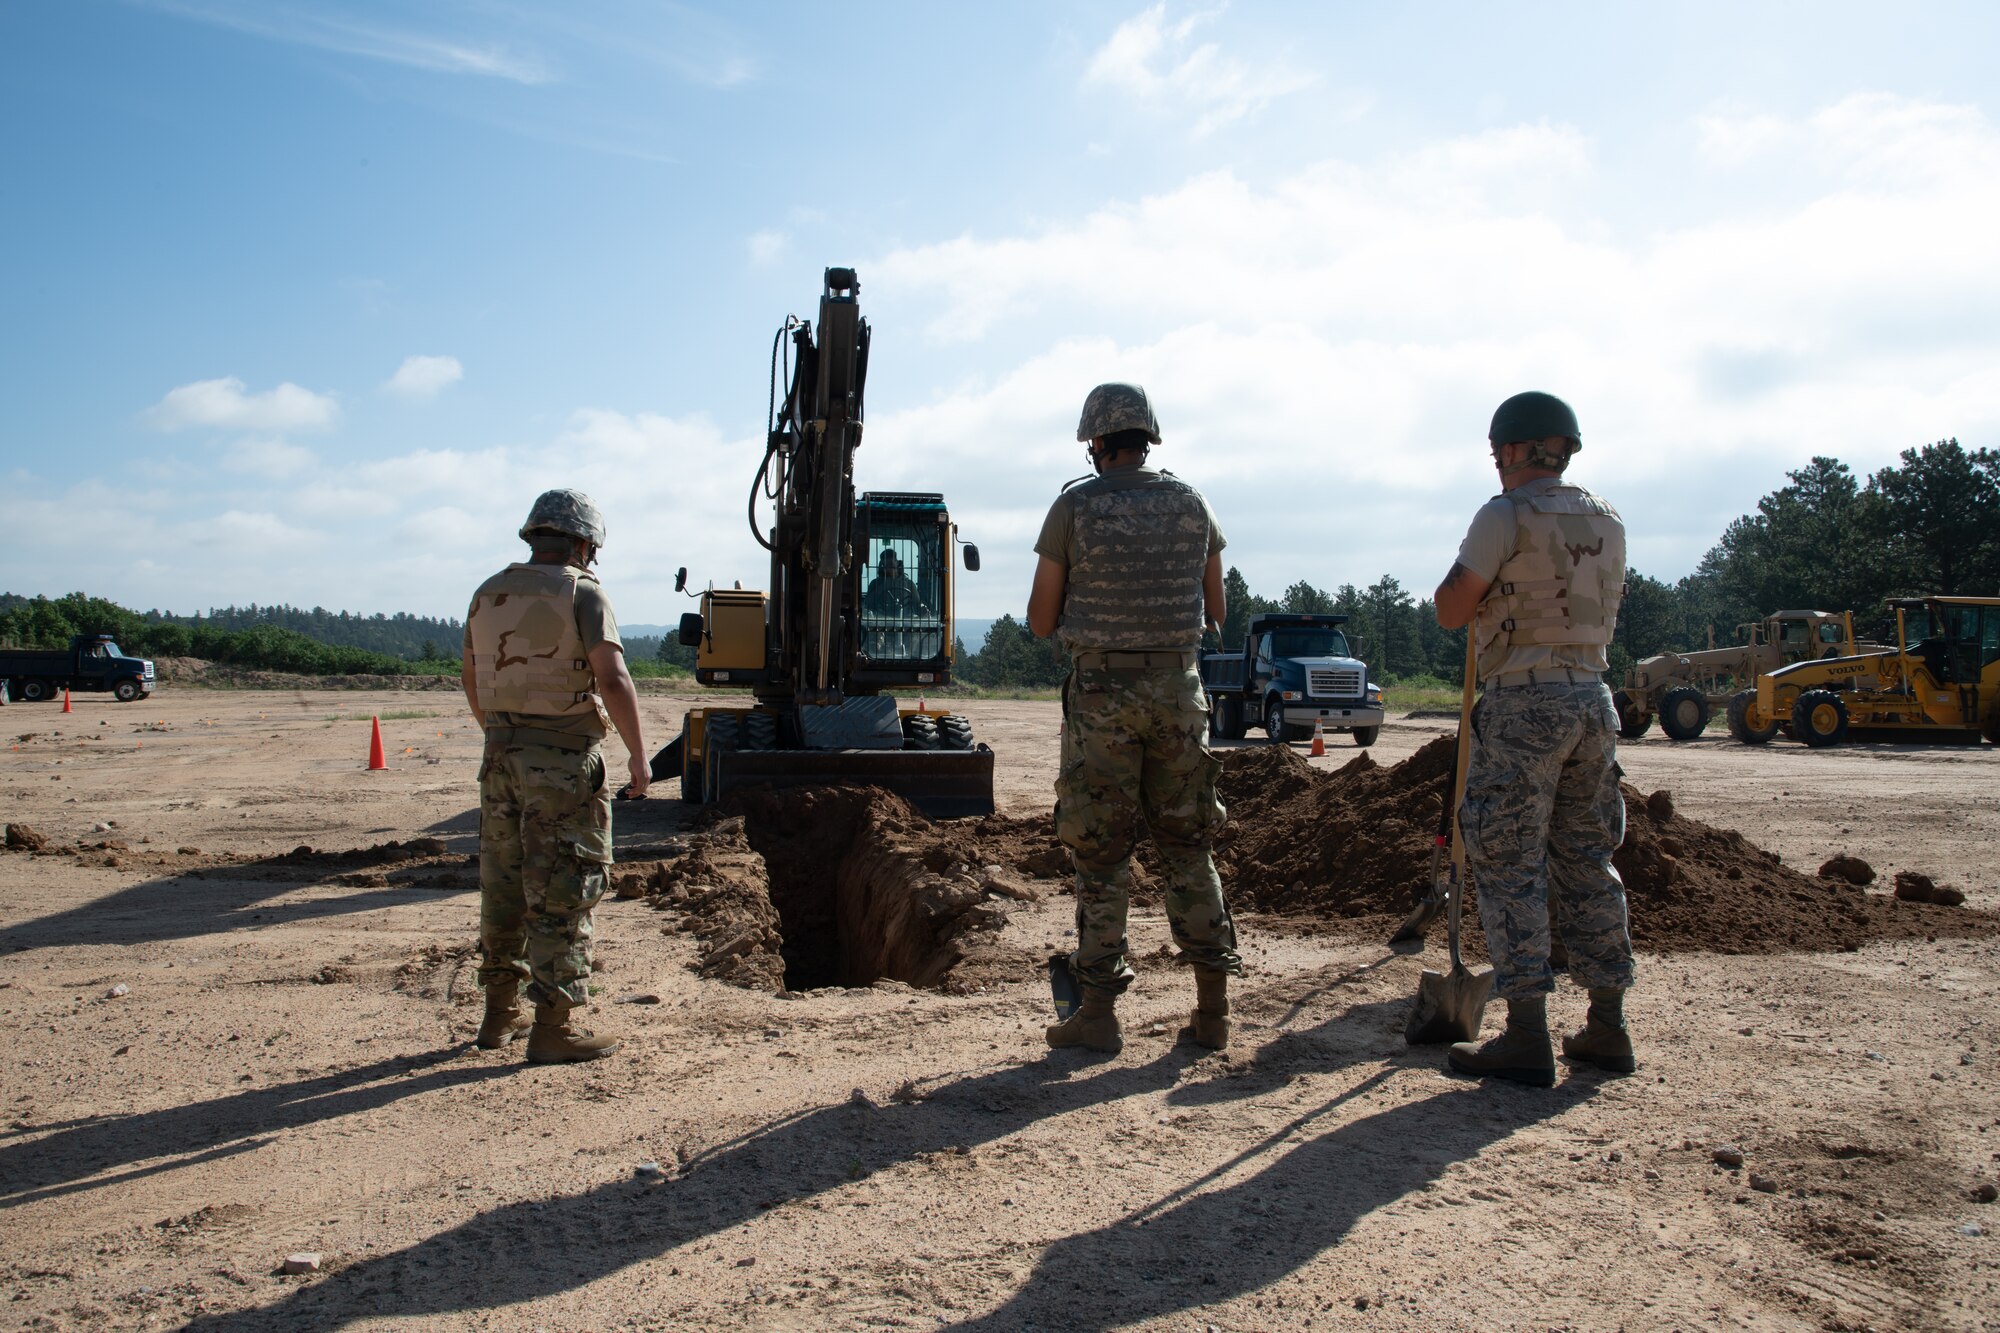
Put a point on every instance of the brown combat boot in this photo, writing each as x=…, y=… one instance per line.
x=1208, y=1025
x=504, y=1020
x=1603, y=1040
x=556, y=1041
x=1094, y=1024
x=1520, y=1054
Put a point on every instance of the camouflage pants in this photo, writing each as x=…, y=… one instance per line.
x=1541, y=816
x=1135, y=757
x=544, y=849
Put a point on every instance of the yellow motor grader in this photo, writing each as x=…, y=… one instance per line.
x=1681, y=689
x=1943, y=687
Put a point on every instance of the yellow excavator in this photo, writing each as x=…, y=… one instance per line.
x=1943, y=687
x=859, y=604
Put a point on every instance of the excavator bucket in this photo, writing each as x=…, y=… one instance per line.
x=944, y=784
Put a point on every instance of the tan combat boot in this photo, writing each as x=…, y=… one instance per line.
x=556, y=1041
x=1520, y=1054
x=1208, y=1025
x=1094, y=1024
x=504, y=1020
x=1603, y=1040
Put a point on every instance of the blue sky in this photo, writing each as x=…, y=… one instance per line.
x=306, y=301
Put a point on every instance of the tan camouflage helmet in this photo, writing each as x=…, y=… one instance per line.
x=1111, y=408
x=566, y=511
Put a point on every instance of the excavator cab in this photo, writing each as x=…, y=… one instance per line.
x=903, y=590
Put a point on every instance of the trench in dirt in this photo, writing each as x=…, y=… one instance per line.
x=803, y=888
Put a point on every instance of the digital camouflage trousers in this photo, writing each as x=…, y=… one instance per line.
x=1541, y=816
x=544, y=853
x=1135, y=758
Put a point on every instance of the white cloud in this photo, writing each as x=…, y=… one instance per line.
x=1325, y=350
x=424, y=376
x=275, y=459
x=1158, y=62
x=224, y=404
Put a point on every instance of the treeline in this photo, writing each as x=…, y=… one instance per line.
x=50, y=622
x=1826, y=541
x=399, y=635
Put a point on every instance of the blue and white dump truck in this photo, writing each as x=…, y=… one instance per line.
x=1295, y=669
x=91, y=662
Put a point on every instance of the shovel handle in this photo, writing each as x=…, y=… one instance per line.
x=1450, y=821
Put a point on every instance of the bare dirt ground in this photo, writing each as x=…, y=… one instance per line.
x=225, y=1050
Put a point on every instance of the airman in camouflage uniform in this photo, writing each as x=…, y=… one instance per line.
x=544, y=671
x=1540, y=576
x=1130, y=570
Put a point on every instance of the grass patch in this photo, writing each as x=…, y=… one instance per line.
x=1420, y=692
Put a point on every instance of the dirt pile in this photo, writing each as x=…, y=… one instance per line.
x=1357, y=842
x=22, y=838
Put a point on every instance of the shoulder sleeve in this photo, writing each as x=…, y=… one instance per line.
x=1216, y=541
x=1490, y=539
x=1054, y=541
x=594, y=622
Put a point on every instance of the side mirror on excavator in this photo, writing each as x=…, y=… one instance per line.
x=681, y=579
x=971, y=557
x=690, y=632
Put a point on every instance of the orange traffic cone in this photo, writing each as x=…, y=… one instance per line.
x=66, y=707
x=375, y=759
x=1319, y=740
x=922, y=707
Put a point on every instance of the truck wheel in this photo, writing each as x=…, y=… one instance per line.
x=34, y=691
x=1819, y=719
x=1280, y=731
x=1229, y=713
x=1683, y=713
x=1366, y=735
x=1632, y=720
x=1747, y=722
x=125, y=691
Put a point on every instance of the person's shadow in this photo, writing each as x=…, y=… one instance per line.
x=1260, y=1229
x=66, y=1160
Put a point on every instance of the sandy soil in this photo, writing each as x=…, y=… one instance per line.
x=225, y=1052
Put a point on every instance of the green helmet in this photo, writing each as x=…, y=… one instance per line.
x=566, y=511
x=1114, y=407
x=1534, y=416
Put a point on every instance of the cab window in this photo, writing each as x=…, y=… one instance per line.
x=1830, y=633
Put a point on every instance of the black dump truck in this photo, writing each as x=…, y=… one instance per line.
x=1295, y=669
x=91, y=662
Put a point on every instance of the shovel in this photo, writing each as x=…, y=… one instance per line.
x=1450, y=1004
x=1409, y=937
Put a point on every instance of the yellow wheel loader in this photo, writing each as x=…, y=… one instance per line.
x=860, y=603
x=1944, y=687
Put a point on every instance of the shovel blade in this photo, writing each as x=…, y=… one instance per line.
x=1449, y=1006
x=1409, y=937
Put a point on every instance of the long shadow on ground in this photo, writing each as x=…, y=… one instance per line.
x=1243, y=1236
x=64, y=1162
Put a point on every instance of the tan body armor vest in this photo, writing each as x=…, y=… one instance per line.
x=1135, y=582
x=1563, y=584
x=526, y=654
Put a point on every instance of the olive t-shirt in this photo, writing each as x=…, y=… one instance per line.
x=595, y=624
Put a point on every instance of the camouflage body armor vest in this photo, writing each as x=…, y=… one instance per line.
x=526, y=654
x=1135, y=582
x=1563, y=584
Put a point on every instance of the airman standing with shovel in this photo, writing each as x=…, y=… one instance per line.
x=1541, y=572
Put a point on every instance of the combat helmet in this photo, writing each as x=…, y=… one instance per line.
x=1111, y=408
x=1534, y=415
x=566, y=511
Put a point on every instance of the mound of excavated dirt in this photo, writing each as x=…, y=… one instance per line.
x=1357, y=842
x=823, y=886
